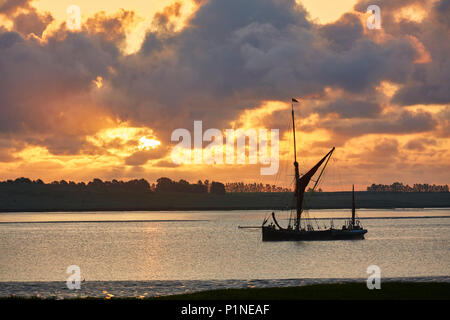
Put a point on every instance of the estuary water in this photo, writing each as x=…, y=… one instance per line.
x=154, y=253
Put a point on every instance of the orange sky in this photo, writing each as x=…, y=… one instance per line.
x=89, y=120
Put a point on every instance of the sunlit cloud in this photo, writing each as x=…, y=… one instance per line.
x=123, y=141
x=147, y=144
x=98, y=82
x=413, y=12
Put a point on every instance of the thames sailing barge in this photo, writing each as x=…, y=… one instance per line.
x=352, y=229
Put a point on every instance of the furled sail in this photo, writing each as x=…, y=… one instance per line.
x=303, y=182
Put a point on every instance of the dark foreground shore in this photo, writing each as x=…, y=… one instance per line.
x=338, y=291
x=20, y=200
x=352, y=291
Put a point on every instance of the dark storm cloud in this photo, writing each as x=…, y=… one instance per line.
x=141, y=157
x=45, y=87
x=367, y=64
x=229, y=47
x=111, y=28
x=403, y=123
x=34, y=77
x=24, y=17
x=234, y=54
x=162, y=19
x=68, y=145
x=343, y=33
x=442, y=11
x=32, y=22
x=8, y=7
x=166, y=164
x=7, y=147
x=444, y=123
x=424, y=93
x=352, y=108
x=385, y=151
x=8, y=39
x=427, y=83
x=420, y=144
x=387, y=5
x=45, y=90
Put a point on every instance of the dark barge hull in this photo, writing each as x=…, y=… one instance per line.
x=272, y=234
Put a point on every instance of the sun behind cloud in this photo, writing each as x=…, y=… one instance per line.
x=147, y=144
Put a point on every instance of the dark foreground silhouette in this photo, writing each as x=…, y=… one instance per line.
x=339, y=291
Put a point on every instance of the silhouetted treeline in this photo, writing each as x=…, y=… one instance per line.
x=165, y=185
x=253, y=187
x=96, y=185
x=400, y=187
x=168, y=185
x=217, y=188
x=138, y=186
x=25, y=195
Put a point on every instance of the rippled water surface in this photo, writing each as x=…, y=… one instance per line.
x=162, y=246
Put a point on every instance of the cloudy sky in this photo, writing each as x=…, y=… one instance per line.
x=75, y=103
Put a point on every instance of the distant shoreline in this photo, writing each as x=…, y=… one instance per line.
x=217, y=209
x=28, y=201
